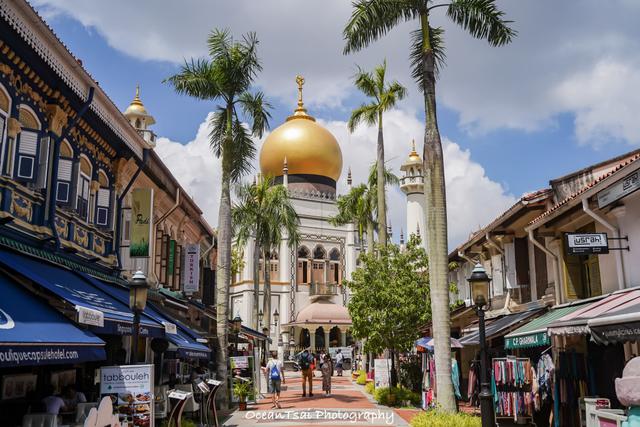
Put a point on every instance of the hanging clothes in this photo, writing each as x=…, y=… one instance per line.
x=455, y=377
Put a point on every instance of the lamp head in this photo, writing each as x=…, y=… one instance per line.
x=479, y=284
x=138, y=291
x=237, y=323
x=276, y=317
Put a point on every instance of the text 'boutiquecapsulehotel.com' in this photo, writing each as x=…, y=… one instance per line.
x=368, y=416
x=37, y=356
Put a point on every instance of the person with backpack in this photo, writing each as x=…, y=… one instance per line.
x=339, y=361
x=275, y=378
x=305, y=360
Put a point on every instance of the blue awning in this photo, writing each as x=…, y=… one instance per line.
x=80, y=293
x=33, y=333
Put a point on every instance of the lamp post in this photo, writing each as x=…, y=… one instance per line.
x=237, y=326
x=138, y=288
x=276, y=317
x=479, y=283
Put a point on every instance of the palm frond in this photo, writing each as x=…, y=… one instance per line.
x=241, y=151
x=482, y=19
x=367, y=113
x=218, y=132
x=256, y=109
x=372, y=19
x=366, y=83
x=196, y=78
x=437, y=46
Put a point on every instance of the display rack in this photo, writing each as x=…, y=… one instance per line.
x=513, y=400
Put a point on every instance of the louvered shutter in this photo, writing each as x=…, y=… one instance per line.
x=65, y=174
x=103, y=203
x=28, y=141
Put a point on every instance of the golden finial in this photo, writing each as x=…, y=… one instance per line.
x=413, y=155
x=300, y=81
x=300, y=112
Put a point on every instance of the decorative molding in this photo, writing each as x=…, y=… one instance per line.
x=21, y=207
x=57, y=118
x=13, y=127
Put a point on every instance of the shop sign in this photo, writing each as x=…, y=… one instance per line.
x=625, y=186
x=347, y=352
x=382, y=368
x=171, y=262
x=179, y=395
x=214, y=383
x=131, y=389
x=615, y=333
x=88, y=316
x=191, y=268
x=587, y=243
x=141, y=219
x=534, y=340
x=170, y=328
x=240, y=362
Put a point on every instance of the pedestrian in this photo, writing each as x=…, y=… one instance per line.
x=339, y=359
x=275, y=378
x=305, y=360
x=327, y=370
x=53, y=403
x=72, y=397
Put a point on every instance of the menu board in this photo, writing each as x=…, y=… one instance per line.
x=131, y=391
x=382, y=368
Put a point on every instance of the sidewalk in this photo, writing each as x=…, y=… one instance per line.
x=347, y=406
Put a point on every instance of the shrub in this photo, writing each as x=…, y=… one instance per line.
x=394, y=396
x=411, y=373
x=370, y=387
x=442, y=419
x=362, y=378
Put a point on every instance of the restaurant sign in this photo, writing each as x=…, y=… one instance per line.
x=530, y=340
x=586, y=243
x=141, y=219
x=618, y=190
x=191, y=269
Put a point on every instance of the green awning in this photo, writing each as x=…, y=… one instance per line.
x=534, y=333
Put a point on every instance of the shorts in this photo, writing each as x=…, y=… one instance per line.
x=275, y=386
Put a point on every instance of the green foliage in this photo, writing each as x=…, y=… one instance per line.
x=411, y=373
x=395, y=396
x=243, y=390
x=237, y=260
x=370, y=387
x=444, y=419
x=362, y=378
x=389, y=297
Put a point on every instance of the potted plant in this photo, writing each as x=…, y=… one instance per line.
x=243, y=390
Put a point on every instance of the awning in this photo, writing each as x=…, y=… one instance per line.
x=33, y=333
x=185, y=340
x=534, y=333
x=499, y=326
x=101, y=312
x=576, y=323
x=618, y=326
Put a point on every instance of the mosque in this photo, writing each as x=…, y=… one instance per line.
x=307, y=282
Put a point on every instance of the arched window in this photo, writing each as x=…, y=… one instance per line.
x=319, y=253
x=28, y=145
x=138, y=124
x=5, y=108
x=334, y=255
x=303, y=252
x=65, y=173
x=274, y=261
x=303, y=265
x=334, y=266
x=103, y=201
x=84, y=188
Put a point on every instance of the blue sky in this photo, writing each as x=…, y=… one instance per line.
x=520, y=126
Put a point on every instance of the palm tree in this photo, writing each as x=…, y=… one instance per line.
x=384, y=97
x=372, y=19
x=226, y=77
x=264, y=212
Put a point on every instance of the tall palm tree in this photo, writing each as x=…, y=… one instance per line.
x=384, y=97
x=227, y=78
x=372, y=19
x=264, y=212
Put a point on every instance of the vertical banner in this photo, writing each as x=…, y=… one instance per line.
x=141, y=222
x=131, y=391
x=191, y=269
x=382, y=369
x=171, y=258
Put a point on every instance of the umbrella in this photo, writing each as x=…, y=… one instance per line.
x=424, y=342
x=454, y=343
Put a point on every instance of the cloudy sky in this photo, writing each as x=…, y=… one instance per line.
x=563, y=95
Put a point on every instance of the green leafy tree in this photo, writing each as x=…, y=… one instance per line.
x=387, y=294
x=384, y=96
x=226, y=78
x=264, y=214
x=371, y=20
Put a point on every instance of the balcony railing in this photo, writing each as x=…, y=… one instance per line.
x=318, y=289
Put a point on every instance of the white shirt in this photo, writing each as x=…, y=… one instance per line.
x=271, y=364
x=339, y=357
x=53, y=404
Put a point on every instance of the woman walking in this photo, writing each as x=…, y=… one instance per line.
x=327, y=368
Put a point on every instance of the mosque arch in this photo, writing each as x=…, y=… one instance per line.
x=319, y=252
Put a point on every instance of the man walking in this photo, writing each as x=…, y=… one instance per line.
x=275, y=377
x=305, y=360
x=339, y=360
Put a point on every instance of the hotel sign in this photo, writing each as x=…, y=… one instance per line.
x=586, y=243
x=625, y=186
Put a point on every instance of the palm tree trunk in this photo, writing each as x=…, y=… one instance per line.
x=382, y=206
x=223, y=265
x=266, y=302
x=435, y=194
x=370, y=239
x=256, y=284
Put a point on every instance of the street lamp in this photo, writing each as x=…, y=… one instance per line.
x=138, y=288
x=276, y=317
x=237, y=326
x=479, y=283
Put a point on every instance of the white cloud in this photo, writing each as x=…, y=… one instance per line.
x=467, y=183
x=559, y=46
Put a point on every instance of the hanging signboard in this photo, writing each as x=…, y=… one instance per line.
x=586, y=243
x=625, y=186
x=191, y=269
x=141, y=222
x=131, y=389
x=89, y=316
x=171, y=259
x=382, y=368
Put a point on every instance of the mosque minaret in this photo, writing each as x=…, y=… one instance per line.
x=412, y=184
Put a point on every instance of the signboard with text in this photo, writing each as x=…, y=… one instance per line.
x=141, y=219
x=618, y=190
x=586, y=243
x=382, y=369
x=131, y=390
x=191, y=269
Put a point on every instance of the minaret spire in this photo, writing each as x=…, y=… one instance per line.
x=285, y=173
x=349, y=180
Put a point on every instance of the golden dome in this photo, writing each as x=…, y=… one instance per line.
x=309, y=148
x=136, y=108
x=413, y=156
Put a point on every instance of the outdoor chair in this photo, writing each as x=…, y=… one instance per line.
x=162, y=401
x=40, y=420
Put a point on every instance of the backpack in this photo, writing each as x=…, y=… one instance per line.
x=304, y=362
x=275, y=372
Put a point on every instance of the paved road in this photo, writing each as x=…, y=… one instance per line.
x=347, y=406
